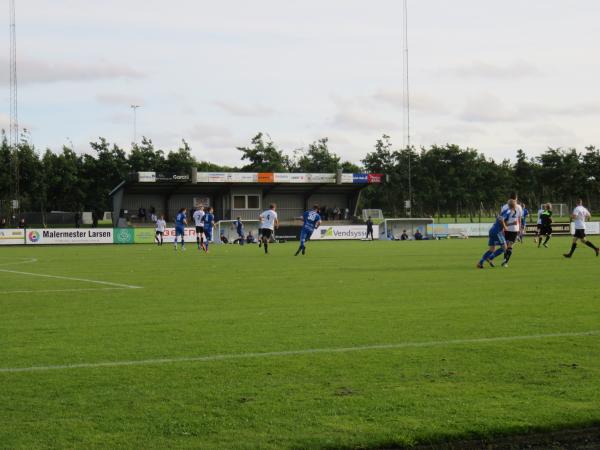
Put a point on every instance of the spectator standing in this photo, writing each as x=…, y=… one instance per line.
x=346, y=214
x=22, y=223
x=77, y=219
x=2, y=222
x=142, y=214
x=94, y=219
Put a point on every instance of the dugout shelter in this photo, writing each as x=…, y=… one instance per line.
x=235, y=194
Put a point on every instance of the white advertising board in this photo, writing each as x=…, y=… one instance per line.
x=358, y=232
x=41, y=236
x=147, y=177
x=189, y=236
x=590, y=228
x=12, y=236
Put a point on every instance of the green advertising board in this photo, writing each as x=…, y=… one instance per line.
x=144, y=235
x=124, y=236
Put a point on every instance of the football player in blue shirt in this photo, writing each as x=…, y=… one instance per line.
x=524, y=222
x=496, y=235
x=180, y=223
x=209, y=222
x=239, y=228
x=312, y=221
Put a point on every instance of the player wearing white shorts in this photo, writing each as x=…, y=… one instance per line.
x=580, y=215
x=268, y=223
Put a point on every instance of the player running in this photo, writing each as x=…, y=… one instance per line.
x=580, y=215
x=180, y=223
x=496, y=236
x=312, y=221
x=539, y=223
x=546, y=225
x=198, y=217
x=209, y=223
x=161, y=225
x=513, y=228
x=239, y=228
x=524, y=223
x=268, y=223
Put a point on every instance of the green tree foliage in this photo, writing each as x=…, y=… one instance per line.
x=446, y=180
x=264, y=156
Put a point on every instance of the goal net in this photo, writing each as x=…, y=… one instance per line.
x=392, y=229
x=373, y=213
x=228, y=229
x=560, y=209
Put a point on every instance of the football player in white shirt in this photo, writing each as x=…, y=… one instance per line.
x=198, y=217
x=580, y=215
x=160, y=230
x=513, y=224
x=268, y=223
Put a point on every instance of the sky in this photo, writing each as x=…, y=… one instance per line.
x=495, y=76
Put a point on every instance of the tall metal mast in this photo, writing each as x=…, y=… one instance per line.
x=406, y=100
x=13, y=133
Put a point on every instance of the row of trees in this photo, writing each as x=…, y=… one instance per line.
x=446, y=180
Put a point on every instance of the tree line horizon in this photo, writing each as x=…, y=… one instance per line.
x=446, y=180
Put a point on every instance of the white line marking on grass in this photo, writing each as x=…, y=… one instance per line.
x=232, y=356
x=14, y=263
x=85, y=280
x=41, y=291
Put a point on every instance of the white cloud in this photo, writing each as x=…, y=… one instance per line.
x=241, y=110
x=357, y=120
x=206, y=131
x=123, y=100
x=484, y=69
x=487, y=108
x=39, y=71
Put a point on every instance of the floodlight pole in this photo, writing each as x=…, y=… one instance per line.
x=134, y=108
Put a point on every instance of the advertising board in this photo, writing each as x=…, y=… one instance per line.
x=12, y=236
x=144, y=235
x=41, y=236
x=147, y=177
x=341, y=232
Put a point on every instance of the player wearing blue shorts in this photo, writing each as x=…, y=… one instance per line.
x=209, y=223
x=312, y=221
x=496, y=235
x=180, y=223
x=239, y=228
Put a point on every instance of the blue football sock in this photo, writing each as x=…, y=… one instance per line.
x=485, y=256
x=497, y=253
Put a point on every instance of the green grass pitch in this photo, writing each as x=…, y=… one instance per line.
x=236, y=349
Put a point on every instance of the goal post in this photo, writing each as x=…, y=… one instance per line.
x=392, y=229
x=559, y=209
x=228, y=229
x=373, y=213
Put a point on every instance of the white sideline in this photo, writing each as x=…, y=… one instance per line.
x=85, y=280
x=43, y=291
x=294, y=352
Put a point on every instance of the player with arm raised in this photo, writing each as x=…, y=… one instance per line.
x=180, y=223
x=268, y=223
x=312, y=221
x=209, y=223
x=580, y=215
x=496, y=236
x=198, y=217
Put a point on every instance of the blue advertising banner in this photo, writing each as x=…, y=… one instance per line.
x=360, y=178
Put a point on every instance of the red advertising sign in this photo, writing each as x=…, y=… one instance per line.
x=375, y=177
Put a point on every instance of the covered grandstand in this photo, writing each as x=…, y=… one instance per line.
x=236, y=194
